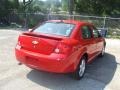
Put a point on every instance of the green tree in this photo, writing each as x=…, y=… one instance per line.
x=37, y=6
x=53, y=5
x=68, y=5
x=64, y=5
x=4, y=8
x=14, y=4
x=98, y=7
x=7, y=6
x=92, y=7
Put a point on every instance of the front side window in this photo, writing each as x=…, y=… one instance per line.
x=55, y=28
x=86, y=32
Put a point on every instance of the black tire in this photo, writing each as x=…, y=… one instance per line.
x=79, y=73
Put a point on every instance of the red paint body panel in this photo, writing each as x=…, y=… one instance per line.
x=40, y=51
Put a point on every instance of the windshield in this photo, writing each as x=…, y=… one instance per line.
x=52, y=28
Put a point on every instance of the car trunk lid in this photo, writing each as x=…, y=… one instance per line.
x=38, y=43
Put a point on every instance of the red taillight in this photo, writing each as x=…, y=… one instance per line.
x=63, y=48
x=18, y=46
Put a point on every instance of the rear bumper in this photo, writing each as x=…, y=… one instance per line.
x=57, y=63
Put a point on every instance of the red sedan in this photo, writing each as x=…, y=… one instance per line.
x=60, y=46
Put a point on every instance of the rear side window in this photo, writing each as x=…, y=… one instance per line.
x=55, y=28
x=86, y=32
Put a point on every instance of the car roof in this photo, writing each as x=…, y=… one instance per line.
x=71, y=22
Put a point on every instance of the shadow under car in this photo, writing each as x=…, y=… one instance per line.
x=98, y=74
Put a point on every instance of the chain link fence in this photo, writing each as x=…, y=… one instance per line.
x=29, y=20
x=25, y=21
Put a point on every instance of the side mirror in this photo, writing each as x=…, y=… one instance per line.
x=29, y=30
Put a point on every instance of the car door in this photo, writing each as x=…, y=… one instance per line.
x=88, y=41
x=98, y=39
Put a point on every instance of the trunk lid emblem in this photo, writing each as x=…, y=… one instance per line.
x=35, y=42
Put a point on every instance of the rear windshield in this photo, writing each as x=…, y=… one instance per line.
x=52, y=28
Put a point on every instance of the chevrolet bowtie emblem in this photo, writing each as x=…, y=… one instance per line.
x=35, y=42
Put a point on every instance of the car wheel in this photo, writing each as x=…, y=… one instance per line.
x=79, y=73
x=102, y=52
